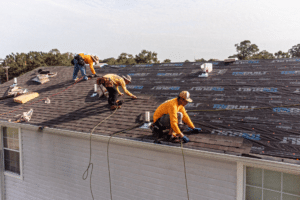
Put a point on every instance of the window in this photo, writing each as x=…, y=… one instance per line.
x=11, y=147
x=262, y=184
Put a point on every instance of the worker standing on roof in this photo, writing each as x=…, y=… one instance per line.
x=121, y=81
x=79, y=62
x=170, y=115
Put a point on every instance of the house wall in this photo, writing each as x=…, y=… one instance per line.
x=53, y=166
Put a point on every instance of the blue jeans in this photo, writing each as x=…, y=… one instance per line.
x=78, y=67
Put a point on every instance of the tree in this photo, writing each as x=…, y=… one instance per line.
x=245, y=50
x=22, y=63
x=167, y=61
x=212, y=60
x=146, y=57
x=186, y=61
x=295, y=51
x=110, y=61
x=281, y=54
x=125, y=59
x=200, y=60
x=262, y=55
x=54, y=51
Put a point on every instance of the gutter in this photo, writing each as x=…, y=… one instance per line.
x=246, y=161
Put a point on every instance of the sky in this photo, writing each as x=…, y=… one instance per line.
x=178, y=30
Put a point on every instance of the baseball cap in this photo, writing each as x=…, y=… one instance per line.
x=186, y=96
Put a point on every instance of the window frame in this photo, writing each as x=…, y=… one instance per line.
x=8, y=173
x=262, y=187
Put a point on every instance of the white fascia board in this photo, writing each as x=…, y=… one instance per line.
x=246, y=161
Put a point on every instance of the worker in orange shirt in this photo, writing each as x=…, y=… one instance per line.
x=112, y=92
x=170, y=115
x=121, y=81
x=79, y=62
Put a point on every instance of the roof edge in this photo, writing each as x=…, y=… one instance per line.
x=252, y=162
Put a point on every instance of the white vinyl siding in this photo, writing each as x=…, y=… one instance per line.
x=53, y=166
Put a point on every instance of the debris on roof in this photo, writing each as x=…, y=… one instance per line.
x=15, y=90
x=47, y=101
x=207, y=67
x=26, y=116
x=41, y=78
x=44, y=76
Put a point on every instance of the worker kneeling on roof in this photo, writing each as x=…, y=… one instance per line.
x=79, y=62
x=121, y=81
x=112, y=92
x=170, y=115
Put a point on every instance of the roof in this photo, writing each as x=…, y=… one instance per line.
x=242, y=107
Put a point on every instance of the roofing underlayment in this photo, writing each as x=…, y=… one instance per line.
x=242, y=107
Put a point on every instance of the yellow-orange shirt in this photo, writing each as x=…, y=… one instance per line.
x=171, y=107
x=118, y=81
x=88, y=60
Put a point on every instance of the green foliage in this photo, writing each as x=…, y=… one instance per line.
x=200, y=60
x=22, y=63
x=110, y=61
x=186, y=61
x=262, y=55
x=125, y=59
x=146, y=57
x=245, y=50
x=281, y=54
x=295, y=51
x=212, y=60
x=167, y=61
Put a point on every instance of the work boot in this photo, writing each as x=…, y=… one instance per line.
x=113, y=107
x=119, y=102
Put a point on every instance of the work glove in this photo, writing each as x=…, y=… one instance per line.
x=194, y=130
x=185, y=139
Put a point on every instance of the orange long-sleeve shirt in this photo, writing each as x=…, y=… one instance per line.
x=171, y=107
x=118, y=81
x=88, y=60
